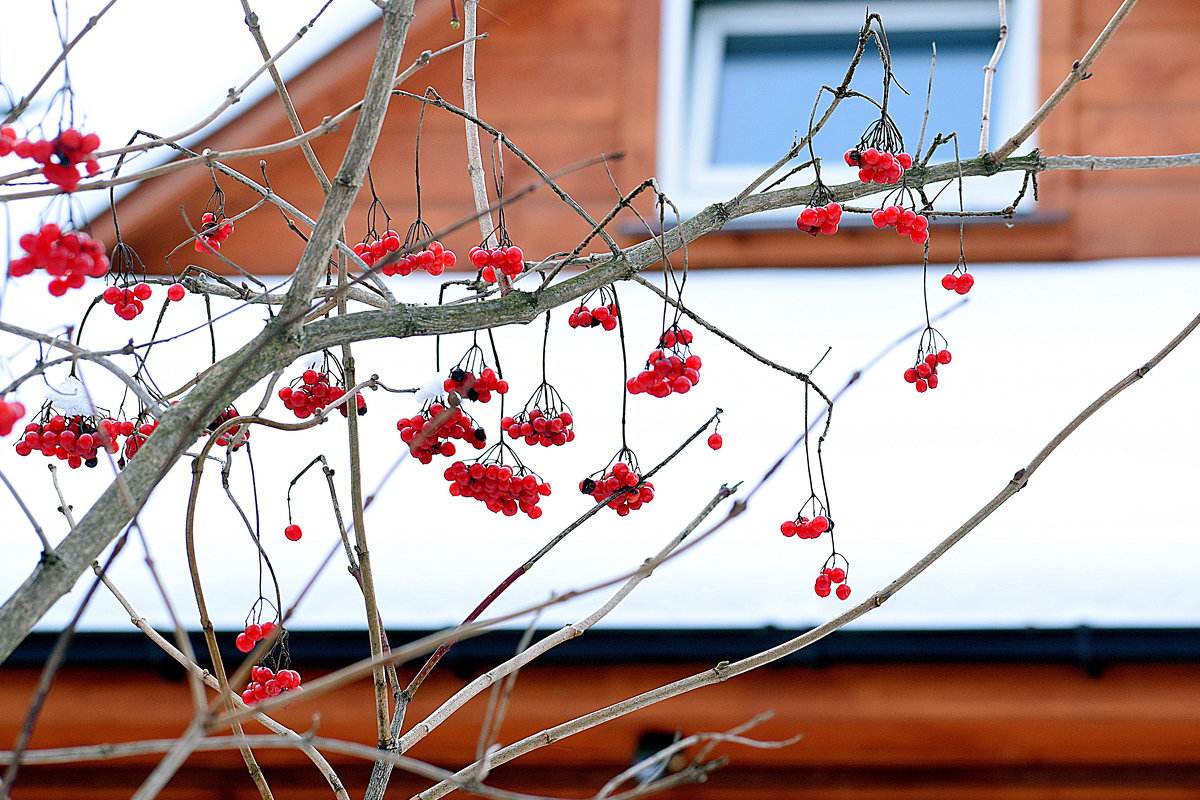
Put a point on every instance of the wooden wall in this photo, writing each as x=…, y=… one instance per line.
x=871, y=731
x=568, y=81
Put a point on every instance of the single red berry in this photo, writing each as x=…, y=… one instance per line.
x=243, y=643
x=843, y=591
x=176, y=292
x=254, y=632
x=293, y=532
x=715, y=441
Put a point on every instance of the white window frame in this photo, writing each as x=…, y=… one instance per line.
x=692, y=46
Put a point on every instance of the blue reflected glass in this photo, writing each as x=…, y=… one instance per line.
x=768, y=84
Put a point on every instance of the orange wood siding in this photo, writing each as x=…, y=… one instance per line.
x=869, y=731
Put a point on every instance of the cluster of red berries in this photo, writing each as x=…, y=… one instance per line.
x=59, y=156
x=960, y=282
x=212, y=232
x=508, y=260
x=10, y=412
x=135, y=438
x=425, y=440
x=76, y=440
x=127, y=303
x=820, y=219
x=538, y=427
x=603, y=315
x=231, y=435
x=806, y=528
x=292, y=532
x=252, y=635
x=878, y=166
x=312, y=392
x=465, y=383
x=69, y=257
x=924, y=375
x=503, y=489
x=606, y=488
x=906, y=222
x=826, y=580
x=671, y=369
x=265, y=684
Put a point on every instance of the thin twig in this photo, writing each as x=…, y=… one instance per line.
x=989, y=74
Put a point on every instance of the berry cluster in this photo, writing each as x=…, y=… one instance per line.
x=671, y=369
x=821, y=219
x=545, y=419
x=10, y=412
x=507, y=260
x=604, y=315
x=906, y=222
x=503, y=489
x=213, y=232
x=265, y=684
x=68, y=257
x=312, y=392
x=536, y=427
x=252, y=635
x=127, y=303
x=76, y=440
x=464, y=383
x=230, y=436
x=829, y=577
x=878, y=166
x=608, y=488
x=806, y=528
x=59, y=156
x=924, y=375
x=136, y=437
x=430, y=430
x=960, y=282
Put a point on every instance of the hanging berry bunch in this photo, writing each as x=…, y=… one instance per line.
x=215, y=228
x=60, y=157
x=811, y=521
x=136, y=434
x=315, y=389
x=429, y=432
x=503, y=488
x=130, y=292
x=434, y=258
x=959, y=279
x=906, y=221
x=604, y=314
x=504, y=259
x=614, y=485
x=823, y=212
x=237, y=435
x=252, y=635
x=931, y=353
x=11, y=412
x=832, y=575
x=880, y=156
x=266, y=682
x=670, y=369
x=546, y=419
x=69, y=257
x=473, y=379
x=74, y=438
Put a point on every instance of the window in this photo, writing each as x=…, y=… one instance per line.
x=739, y=80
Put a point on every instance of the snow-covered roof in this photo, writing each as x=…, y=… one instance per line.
x=1103, y=535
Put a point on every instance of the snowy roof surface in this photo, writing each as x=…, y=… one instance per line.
x=1105, y=534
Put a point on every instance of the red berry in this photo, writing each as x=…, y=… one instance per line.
x=176, y=292
x=293, y=532
x=715, y=441
x=843, y=591
x=243, y=643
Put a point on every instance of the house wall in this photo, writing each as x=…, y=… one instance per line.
x=569, y=81
x=869, y=731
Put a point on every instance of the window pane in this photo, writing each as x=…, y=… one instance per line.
x=768, y=84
